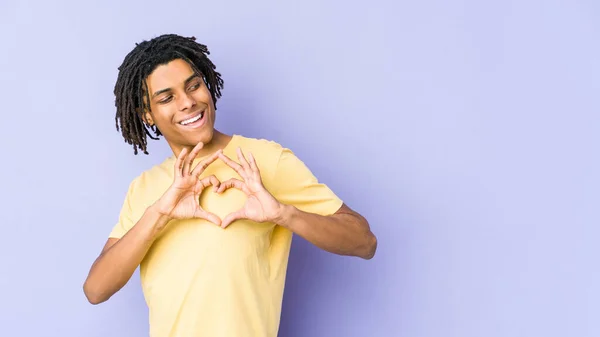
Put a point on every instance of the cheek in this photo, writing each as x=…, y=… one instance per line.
x=162, y=116
x=203, y=95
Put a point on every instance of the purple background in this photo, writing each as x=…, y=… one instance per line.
x=467, y=132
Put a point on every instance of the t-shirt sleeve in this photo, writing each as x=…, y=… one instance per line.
x=125, y=221
x=294, y=184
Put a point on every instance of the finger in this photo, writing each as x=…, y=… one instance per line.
x=208, y=216
x=253, y=165
x=204, y=164
x=189, y=160
x=210, y=180
x=235, y=166
x=233, y=183
x=185, y=167
x=179, y=162
x=242, y=159
x=231, y=217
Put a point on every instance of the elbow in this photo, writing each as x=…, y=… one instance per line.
x=369, y=247
x=94, y=301
x=94, y=297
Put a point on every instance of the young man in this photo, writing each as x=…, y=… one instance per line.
x=211, y=234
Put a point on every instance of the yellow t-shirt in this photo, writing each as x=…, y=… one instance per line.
x=201, y=280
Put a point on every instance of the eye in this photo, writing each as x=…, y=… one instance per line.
x=166, y=99
x=194, y=87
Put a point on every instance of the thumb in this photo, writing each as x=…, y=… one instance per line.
x=231, y=217
x=208, y=216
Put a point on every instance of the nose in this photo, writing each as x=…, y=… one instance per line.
x=186, y=102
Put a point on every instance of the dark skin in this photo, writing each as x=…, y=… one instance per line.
x=177, y=98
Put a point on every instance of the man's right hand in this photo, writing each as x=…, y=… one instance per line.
x=181, y=200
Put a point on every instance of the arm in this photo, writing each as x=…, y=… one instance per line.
x=345, y=232
x=120, y=257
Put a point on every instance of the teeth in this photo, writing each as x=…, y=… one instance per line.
x=191, y=120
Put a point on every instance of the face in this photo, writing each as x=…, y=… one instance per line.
x=181, y=105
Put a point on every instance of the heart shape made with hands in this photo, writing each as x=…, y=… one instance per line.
x=260, y=205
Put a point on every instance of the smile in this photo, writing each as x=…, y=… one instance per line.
x=192, y=119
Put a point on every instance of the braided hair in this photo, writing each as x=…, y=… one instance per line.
x=132, y=99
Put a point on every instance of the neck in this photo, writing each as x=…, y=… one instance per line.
x=219, y=141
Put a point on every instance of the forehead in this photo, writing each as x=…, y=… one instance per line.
x=170, y=75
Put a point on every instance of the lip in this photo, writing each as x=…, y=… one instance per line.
x=197, y=124
x=195, y=114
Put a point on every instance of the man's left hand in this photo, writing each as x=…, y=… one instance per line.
x=260, y=206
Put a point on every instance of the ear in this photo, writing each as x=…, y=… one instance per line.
x=148, y=119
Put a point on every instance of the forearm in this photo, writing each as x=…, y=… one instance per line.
x=114, y=267
x=341, y=233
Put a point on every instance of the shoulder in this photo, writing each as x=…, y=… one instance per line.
x=265, y=146
x=157, y=173
x=266, y=152
x=269, y=153
x=151, y=182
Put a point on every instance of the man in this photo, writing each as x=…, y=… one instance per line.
x=211, y=234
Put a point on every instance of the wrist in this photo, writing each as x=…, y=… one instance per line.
x=161, y=209
x=153, y=221
x=285, y=215
x=162, y=213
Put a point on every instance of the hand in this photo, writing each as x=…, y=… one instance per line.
x=261, y=206
x=181, y=200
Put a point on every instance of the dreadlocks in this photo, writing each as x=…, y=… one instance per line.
x=131, y=91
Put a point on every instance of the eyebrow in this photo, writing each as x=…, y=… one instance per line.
x=169, y=89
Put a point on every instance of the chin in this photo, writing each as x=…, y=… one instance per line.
x=205, y=136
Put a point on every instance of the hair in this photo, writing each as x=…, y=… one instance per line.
x=132, y=99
